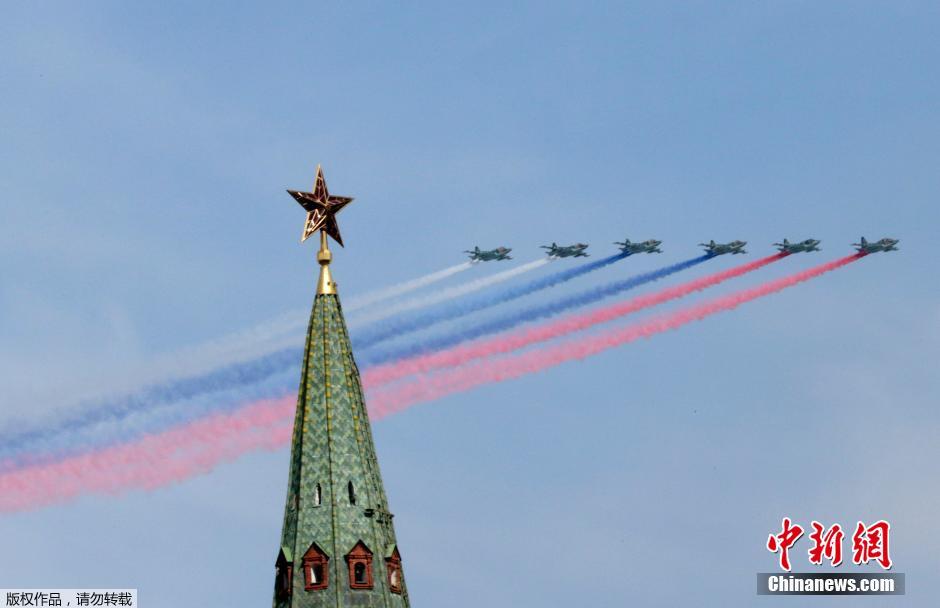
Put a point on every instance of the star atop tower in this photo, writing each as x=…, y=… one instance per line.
x=321, y=208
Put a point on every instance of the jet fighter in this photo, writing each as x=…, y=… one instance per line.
x=566, y=251
x=483, y=255
x=629, y=248
x=803, y=246
x=885, y=244
x=734, y=247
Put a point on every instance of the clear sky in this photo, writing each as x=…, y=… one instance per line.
x=144, y=153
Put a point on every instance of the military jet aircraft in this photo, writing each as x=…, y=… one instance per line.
x=734, y=247
x=650, y=246
x=882, y=245
x=566, y=251
x=482, y=255
x=807, y=245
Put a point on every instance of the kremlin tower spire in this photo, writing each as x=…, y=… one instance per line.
x=338, y=544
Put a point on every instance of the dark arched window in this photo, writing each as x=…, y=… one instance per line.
x=352, y=493
x=359, y=573
x=317, y=573
x=317, y=496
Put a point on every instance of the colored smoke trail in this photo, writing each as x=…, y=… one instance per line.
x=513, y=318
x=393, y=291
x=397, y=398
x=194, y=449
x=376, y=376
x=384, y=331
x=453, y=292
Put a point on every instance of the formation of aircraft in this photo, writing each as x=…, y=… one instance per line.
x=734, y=247
x=650, y=246
x=486, y=255
x=566, y=251
x=884, y=244
x=803, y=246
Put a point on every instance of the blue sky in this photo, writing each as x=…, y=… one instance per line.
x=144, y=155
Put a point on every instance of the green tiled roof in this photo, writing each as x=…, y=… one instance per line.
x=332, y=448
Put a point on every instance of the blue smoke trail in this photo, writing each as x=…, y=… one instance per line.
x=522, y=316
x=379, y=332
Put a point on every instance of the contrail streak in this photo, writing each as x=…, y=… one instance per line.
x=533, y=313
x=380, y=332
x=451, y=293
x=394, y=291
x=397, y=398
x=374, y=377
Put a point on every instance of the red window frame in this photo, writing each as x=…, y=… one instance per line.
x=392, y=566
x=360, y=554
x=314, y=557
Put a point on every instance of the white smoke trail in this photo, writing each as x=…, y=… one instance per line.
x=392, y=291
x=270, y=336
x=449, y=294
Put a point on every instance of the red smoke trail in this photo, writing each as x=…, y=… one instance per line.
x=397, y=398
x=452, y=357
x=154, y=461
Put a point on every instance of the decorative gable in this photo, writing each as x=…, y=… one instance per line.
x=316, y=572
x=359, y=560
x=393, y=568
